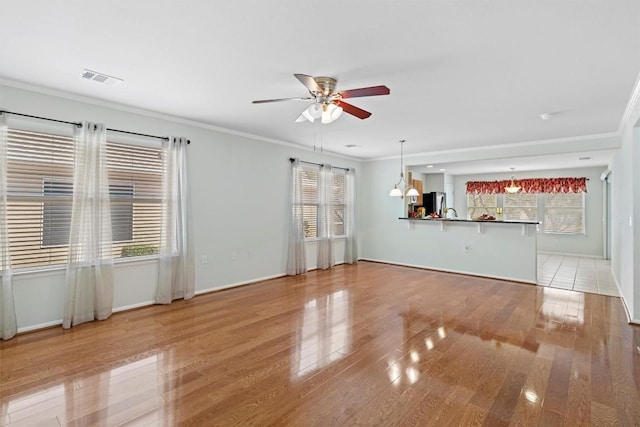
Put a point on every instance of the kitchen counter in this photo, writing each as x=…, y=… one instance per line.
x=495, y=221
x=496, y=249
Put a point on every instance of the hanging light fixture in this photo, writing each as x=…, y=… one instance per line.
x=326, y=112
x=403, y=188
x=330, y=112
x=512, y=188
x=313, y=112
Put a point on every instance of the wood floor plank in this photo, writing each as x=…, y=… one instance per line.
x=368, y=344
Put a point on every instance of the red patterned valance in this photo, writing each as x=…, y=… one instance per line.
x=530, y=185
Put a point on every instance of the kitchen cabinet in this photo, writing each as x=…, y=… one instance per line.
x=417, y=184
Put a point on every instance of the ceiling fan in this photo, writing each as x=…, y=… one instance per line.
x=328, y=105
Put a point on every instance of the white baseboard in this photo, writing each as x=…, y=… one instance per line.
x=630, y=319
x=444, y=270
x=40, y=326
x=570, y=254
x=132, y=306
x=234, y=285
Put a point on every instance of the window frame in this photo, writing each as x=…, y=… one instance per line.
x=541, y=212
x=40, y=159
x=312, y=203
x=583, y=215
x=490, y=210
x=505, y=208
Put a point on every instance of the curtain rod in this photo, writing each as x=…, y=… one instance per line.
x=42, y=118
x=78, y=124
x=291, y=159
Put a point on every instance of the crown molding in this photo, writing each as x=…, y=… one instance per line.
x=631, y=105
x=633, y=101
x=155, y=115
x=503, y=146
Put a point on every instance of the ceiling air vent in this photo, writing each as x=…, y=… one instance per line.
x=100, y=78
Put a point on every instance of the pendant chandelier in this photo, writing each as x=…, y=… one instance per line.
x=403, y=188
x=512, y=188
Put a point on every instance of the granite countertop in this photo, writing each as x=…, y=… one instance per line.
x=470, y=220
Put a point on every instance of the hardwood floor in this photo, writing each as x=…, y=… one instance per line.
x=371, y=344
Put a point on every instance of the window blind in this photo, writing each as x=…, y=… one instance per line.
x=310, y=177
x=564, y=213
x=338, y=202
x=310, y=202
x=40, y=193
x=481, y=203
x=520, y=207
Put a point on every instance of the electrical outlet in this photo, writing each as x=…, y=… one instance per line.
x=204, y=259
x=466, y=249
x=234, y=255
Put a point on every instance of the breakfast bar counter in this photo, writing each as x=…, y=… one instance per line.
x=490, y=248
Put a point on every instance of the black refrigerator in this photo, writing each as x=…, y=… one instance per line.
x=435, y=201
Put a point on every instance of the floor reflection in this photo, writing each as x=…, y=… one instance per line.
x=325, y=335
x=560, y=307
x=79, y=400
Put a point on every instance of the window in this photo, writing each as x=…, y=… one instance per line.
x=56, y=213
x=478, y=204
x=40, y=191
x=310, y=178
x=337, y=200
x=310, y=202
x=520, y=207
x=564, y=213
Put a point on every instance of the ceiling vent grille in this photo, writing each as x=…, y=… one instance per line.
x=100, y=78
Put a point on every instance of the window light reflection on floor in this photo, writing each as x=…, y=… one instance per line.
x=325, y=335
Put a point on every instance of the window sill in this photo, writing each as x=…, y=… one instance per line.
x=317, y=239
x=63, y=267
x=552, y=233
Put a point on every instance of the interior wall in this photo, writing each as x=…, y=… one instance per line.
x=456, y=247
x=590, y=244
x=624, y=189
x=239, y=191
x=433, y=182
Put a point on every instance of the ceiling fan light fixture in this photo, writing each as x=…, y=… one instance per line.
x=315, y=110
x=330, y=112
x=336, y=111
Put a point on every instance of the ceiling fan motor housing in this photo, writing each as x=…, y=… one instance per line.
x=327, y=84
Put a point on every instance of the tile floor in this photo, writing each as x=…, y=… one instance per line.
x=582, y=274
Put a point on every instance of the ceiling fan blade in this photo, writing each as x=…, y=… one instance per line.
x=365, y=91
x=264, y=101
x=309, y=82
x=353, y=110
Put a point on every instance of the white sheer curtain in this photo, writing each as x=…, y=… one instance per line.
x=296, y=259
x=176, y=270
x=326, y=257
x=8, y=322
x=89, y=293
x=351, y=241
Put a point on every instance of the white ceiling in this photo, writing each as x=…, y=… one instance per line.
x=463, y=74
